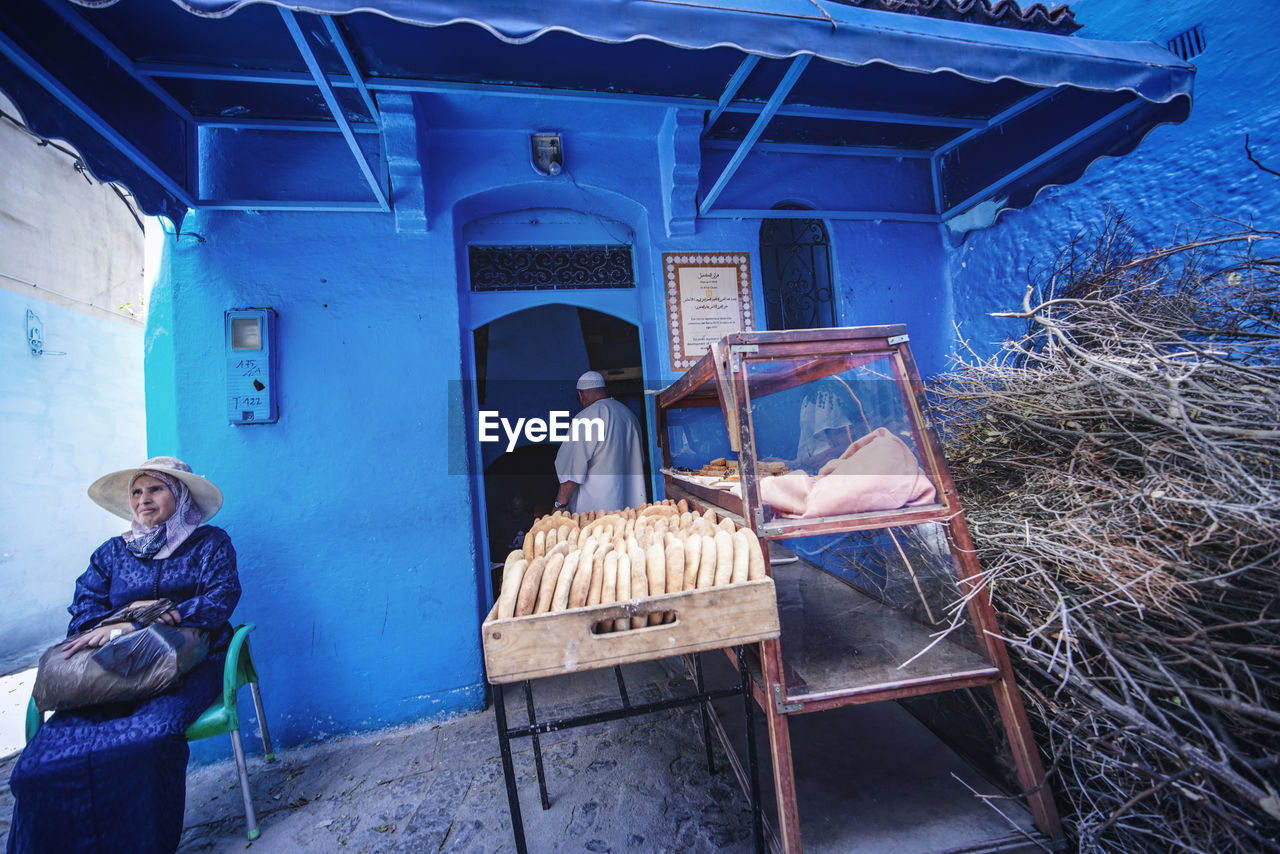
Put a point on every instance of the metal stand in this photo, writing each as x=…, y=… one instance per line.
x=701, y=697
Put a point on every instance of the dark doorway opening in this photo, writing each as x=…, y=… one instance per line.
x=526, y=366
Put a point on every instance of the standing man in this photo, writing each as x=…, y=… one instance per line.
x=600, y=472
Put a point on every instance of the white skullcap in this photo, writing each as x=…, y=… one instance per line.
x=591, y=379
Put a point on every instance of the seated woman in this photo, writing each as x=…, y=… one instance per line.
x=112, y=778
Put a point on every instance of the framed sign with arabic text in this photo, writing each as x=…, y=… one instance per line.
x=708, y=295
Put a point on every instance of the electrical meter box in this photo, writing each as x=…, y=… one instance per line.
x=251, y=366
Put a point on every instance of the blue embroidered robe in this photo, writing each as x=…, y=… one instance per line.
x=112, y=778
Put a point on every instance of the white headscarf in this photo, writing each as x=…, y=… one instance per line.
x=160, y=541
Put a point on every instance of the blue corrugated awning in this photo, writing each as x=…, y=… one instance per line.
x=781, y=29
x=147, y=90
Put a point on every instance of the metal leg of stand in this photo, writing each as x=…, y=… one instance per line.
x=537, y=746
x=622, y=686
x=753, y=768
x=703, y=698
x=508, y=772
x=702, y=709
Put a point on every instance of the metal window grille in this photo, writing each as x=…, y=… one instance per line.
x=538, y=268
x=1188, y=43
x=796, y=269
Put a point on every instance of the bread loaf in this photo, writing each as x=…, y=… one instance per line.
x=530, y=584
x=582, y=579
x=707, y=563
x=741, y=552
x=512, y=575
x=755, y=557
x=609, y=586
x=724, y=558
x=543, y=526
x=547, y=589
x=644, y=537
x=597, y=573
x=674, y=561
x=639, y=582
x=655, y=567
x=540, y=544
x=603, y=526
x=624, y=590
x=564, y=584
x=692, y=555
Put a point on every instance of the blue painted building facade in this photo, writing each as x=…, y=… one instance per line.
x=1186, y=179
x=360, y=508
x=361, y=515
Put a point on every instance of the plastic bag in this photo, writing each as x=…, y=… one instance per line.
x=134, y=666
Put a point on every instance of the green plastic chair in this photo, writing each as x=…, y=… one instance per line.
x=222, y=716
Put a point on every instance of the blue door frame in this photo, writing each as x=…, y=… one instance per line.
x=480, y=309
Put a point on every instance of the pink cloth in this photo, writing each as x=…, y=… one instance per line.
x=881, y=473
x=786, y=493
x=877, y=472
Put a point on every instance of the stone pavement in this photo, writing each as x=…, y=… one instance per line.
x=636, y=785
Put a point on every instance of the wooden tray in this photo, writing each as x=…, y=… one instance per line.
x=540, y=645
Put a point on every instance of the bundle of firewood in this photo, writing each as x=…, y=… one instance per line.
x=1120, y=466
x=573, y=561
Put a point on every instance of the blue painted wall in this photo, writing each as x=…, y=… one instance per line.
x=72, y=253
x=1174, y=184
x=356, y=516
x=354, y=542
x=67, y=419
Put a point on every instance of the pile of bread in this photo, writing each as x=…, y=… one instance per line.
x=573, y=560
x=726, y=469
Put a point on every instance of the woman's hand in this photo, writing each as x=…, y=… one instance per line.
x=95, y=637
x=169, y=618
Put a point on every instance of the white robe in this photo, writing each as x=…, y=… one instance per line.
x=609, y=471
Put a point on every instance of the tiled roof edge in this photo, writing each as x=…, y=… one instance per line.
x=1003, y=13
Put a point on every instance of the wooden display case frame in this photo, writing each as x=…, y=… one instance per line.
x=721, y=379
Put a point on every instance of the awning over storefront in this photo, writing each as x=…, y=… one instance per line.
x=210, y=103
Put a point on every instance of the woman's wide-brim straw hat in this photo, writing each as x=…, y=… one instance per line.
x=111, y=491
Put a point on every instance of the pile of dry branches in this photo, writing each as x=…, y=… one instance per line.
x=1120, y=468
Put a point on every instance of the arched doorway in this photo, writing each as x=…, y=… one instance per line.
x=526, y=364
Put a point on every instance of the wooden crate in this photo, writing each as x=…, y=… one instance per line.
x=539, y=645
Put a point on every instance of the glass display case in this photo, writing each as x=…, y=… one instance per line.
x=821, y=442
